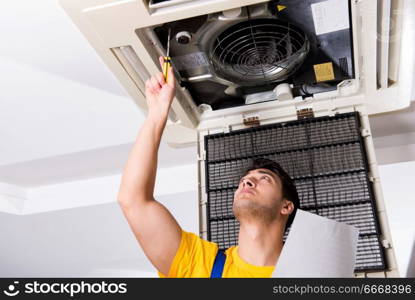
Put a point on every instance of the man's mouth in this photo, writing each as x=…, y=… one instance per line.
x=247, y=191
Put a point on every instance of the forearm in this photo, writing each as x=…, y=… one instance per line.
x=139, y=173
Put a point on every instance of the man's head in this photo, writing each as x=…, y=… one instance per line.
x=265, y=192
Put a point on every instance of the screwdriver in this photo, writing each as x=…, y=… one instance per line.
x=167, y=58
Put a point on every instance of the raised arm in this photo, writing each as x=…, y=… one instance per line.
x=155, y=228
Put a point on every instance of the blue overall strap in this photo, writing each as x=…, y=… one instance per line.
x=218, y=265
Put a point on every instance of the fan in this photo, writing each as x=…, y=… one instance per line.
x=257, y=51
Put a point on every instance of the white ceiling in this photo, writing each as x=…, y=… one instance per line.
x=63, y=115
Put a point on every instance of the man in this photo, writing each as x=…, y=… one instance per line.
x=264, y=203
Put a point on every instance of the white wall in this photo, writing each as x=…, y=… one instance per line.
x=77, y=229
x=88, y=241
x=398, y=182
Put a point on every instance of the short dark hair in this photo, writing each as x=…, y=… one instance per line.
x=289, y=191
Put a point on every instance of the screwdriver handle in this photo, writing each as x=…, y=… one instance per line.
x=166, y=66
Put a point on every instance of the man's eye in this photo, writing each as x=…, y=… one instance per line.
x=266, y=177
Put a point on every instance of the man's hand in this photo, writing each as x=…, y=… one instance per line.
x=160, y=94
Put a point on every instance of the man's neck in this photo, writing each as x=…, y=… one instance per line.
x=260, y=244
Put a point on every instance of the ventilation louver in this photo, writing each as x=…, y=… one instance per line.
x=325, y=156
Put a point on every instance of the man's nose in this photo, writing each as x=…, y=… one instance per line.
x=248, y=182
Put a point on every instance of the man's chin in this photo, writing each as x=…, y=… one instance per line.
x=249, y=211
x=243, y=204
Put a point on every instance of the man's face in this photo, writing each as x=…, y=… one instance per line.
x=259, y=194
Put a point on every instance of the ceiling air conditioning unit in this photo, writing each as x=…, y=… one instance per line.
x=303, y=69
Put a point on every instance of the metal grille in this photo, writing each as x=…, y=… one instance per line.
x=265, y=49
x=325, y=157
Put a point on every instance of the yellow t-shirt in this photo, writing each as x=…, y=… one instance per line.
x=195, y=258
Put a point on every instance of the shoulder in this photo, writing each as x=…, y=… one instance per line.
x=192, y=240
x=194, y=258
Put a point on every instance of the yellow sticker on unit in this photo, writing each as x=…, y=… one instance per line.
x=281, y=7
x=324, y=72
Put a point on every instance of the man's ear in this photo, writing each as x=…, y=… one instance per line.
x=287, y=207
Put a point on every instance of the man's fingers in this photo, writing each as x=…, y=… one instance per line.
x=155, y=83
x=160, y=78
x=161, y=60
x=149, y=86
